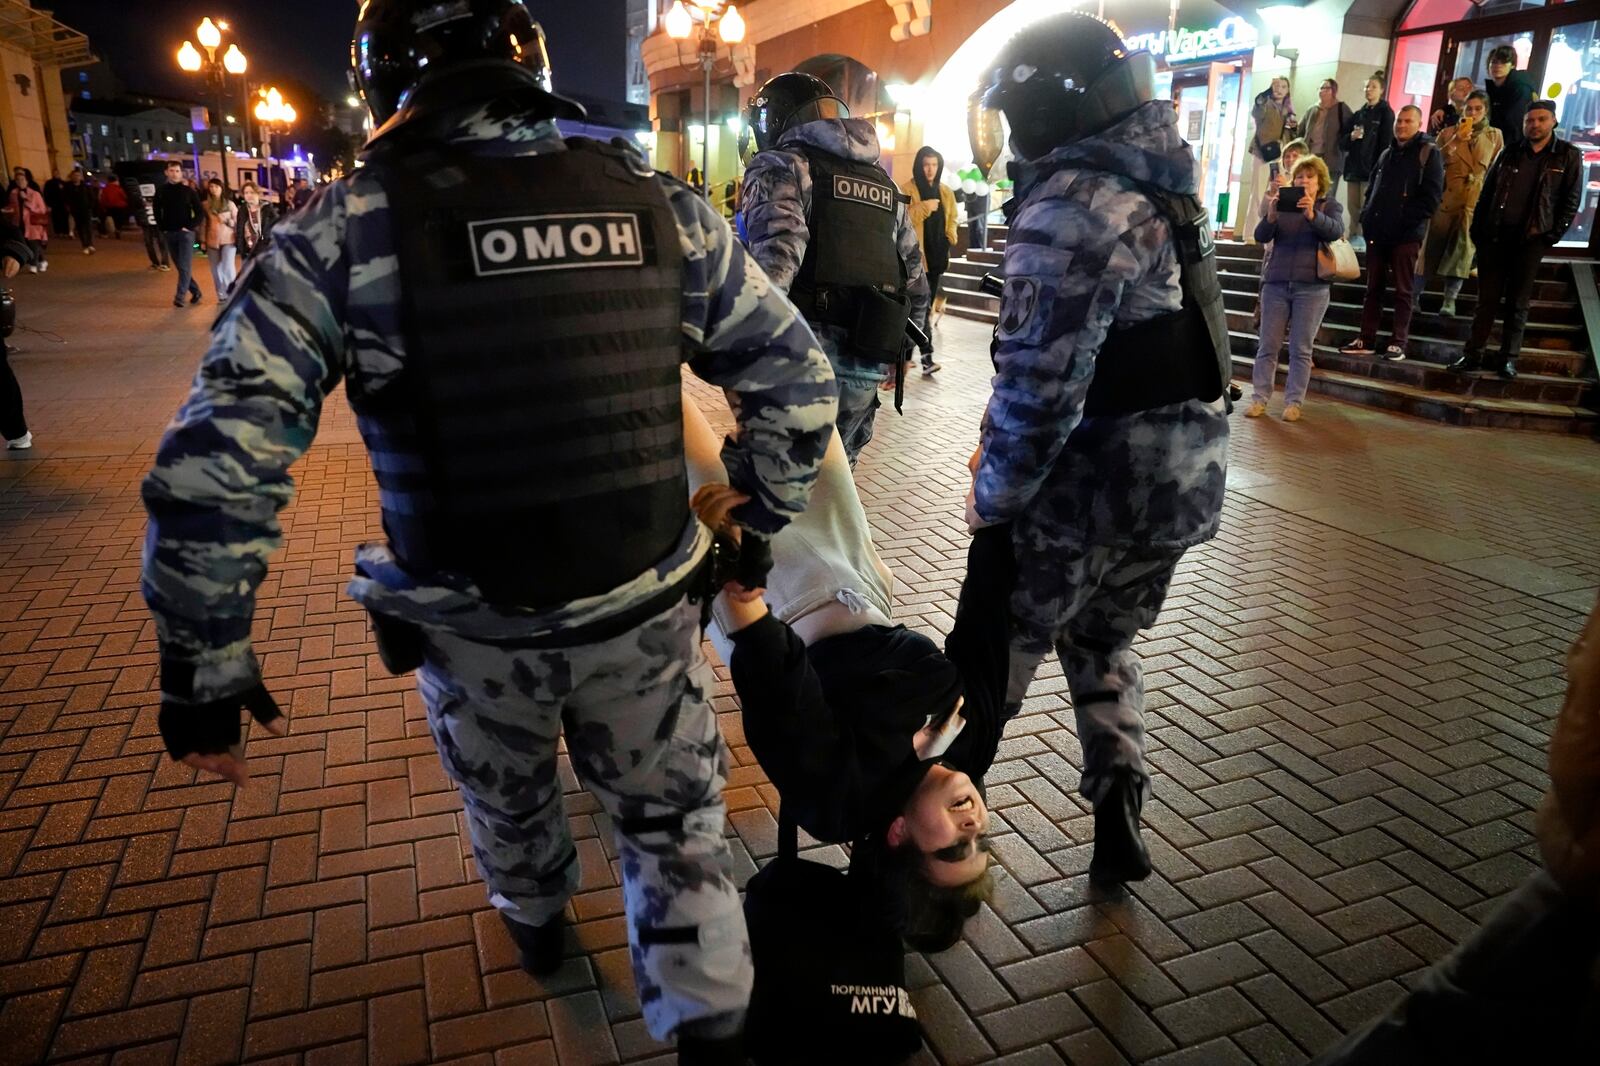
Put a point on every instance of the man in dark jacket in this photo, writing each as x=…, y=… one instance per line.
x=178, y=215
x=56, y=202
x=1510, y=92
x=1405, y=191
x=1529, y=198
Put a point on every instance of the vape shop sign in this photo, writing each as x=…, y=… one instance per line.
x=1229, y=37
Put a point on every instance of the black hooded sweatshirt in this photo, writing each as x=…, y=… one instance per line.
x=833, y=724
x=935, y=243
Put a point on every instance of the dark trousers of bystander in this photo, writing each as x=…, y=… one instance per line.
x=1390, y=267
x=180, y=245
x=85, y=225
x=12, y=424
x=1507, y=270
x=155, y=246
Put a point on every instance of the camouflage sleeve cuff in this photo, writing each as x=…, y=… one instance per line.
x=207, y=680
x=755, y=515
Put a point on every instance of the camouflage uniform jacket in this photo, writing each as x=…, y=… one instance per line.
x=776, y=200
x=322, y=302
x=1087, y=251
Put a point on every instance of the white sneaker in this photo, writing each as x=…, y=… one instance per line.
x=88, y=251
x=21, y=444
x=44, y=266
x=33, y=268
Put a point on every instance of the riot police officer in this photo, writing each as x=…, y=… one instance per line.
x=508, y=312
x=830, y=227
x=1105, y=440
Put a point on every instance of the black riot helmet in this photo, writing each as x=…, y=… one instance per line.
x=399, y=42
x=1058, y=81
x=787, y=101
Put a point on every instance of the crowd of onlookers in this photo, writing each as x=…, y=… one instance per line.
x=1486, y=190
x=178, y=220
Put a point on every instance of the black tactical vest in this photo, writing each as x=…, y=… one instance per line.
x=852, y=244
x=533, y=441
x=1178, y=356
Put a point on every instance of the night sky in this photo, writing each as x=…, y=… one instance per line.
x=310, y=40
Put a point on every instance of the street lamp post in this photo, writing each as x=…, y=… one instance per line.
x=217, y=68
x=273, y=112
x=715, y=21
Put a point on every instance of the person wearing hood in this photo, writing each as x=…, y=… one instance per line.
x=1105, y=443
x=872, y=735
x=933, y=218
x=1406, y=188
x=827, y=224
x=516, y=373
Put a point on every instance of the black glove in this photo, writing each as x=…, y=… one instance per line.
x=213, y=728
x=755, y=560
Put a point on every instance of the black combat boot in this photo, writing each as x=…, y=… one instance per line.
x=538, y=945
x=1465, y=362
x=1119, y=854
x=1507, y=369
x=711, y=1051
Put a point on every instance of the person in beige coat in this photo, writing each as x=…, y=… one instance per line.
x=1468, y=147
x=217, y=235
x=933, y=217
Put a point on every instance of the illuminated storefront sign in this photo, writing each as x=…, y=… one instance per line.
x=1231, y=35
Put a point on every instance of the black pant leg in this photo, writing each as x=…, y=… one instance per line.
x=12, y=424
x=1492, y=271
x=1519, y=292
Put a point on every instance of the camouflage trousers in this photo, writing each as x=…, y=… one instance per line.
x=858, y=391
x=1090, y=603
x=643, y=740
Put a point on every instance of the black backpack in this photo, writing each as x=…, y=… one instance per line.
x=830, y=973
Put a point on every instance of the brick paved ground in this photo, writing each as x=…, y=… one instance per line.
x=1350, y=696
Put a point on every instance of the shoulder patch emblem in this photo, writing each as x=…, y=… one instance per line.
x=1018, y=301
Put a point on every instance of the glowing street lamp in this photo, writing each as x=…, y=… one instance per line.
x=715, y=22
x=216, y=69
x=273, y=112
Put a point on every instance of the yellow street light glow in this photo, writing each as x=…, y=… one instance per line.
x=189, y=57
x=233, y=60
x=679, y=24
x=731, y=28
x=208, y=35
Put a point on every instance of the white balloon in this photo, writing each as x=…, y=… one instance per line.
x=983, y=188
x=968, y=186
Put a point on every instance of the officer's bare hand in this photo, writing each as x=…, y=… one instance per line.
x=209, y=737
x=714, y=502
x=12, y=267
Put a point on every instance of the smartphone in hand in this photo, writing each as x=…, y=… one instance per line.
x=1289, y=198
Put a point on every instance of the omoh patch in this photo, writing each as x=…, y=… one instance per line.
x=1018, y=301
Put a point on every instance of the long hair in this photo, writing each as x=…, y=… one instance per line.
x=928, y=917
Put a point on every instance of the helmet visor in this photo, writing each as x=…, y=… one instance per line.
x=813, y=110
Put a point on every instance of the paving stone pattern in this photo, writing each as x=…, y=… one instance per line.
x=1348, y=715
